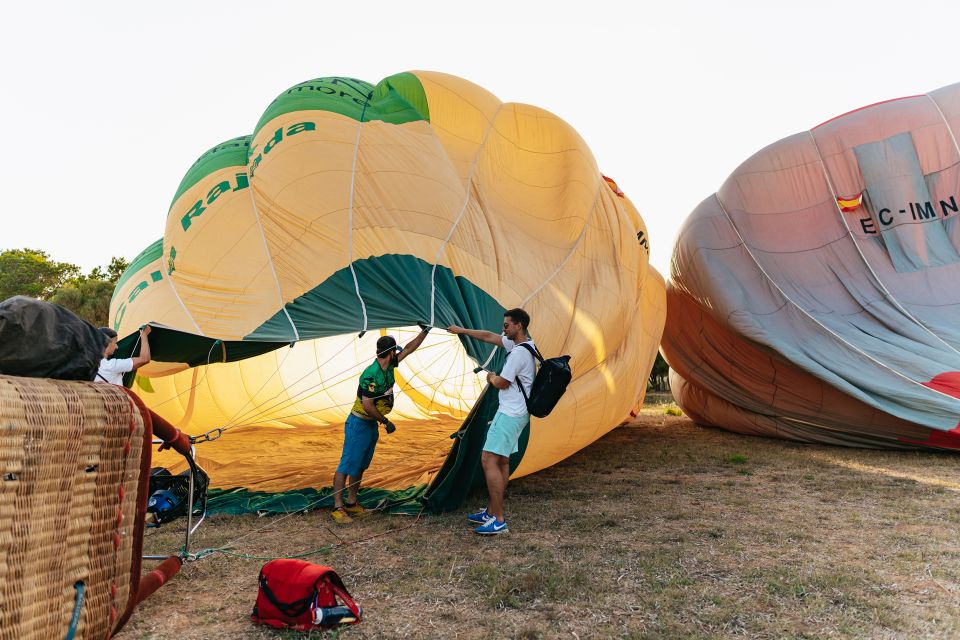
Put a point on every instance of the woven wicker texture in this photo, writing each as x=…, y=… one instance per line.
x=69, y=470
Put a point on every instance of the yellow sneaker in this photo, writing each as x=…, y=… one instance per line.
x=355, y=510
x=340, y=516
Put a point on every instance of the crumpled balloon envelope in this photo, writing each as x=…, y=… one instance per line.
x=816, y=295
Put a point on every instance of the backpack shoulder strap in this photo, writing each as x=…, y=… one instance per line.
x=537, y=357
x=526, y=400
x=533, y=351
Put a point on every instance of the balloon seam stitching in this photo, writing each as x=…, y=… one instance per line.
x=887, y=293
x=353, y=177
x=463, y=210
x=583, y=234
x=169, y=280
x=790, y=301
x=266, y=248
x=953, y=138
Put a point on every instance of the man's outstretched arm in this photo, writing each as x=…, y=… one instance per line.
x=413, y=344
x=477, y=334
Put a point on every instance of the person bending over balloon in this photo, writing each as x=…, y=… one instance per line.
x=360, y=433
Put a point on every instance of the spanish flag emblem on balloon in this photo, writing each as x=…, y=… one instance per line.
x=850, y=204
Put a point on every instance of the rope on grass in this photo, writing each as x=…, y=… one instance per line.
x=224, y=550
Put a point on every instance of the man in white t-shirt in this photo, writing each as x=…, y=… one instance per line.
x=112, y=370
x=511, y=418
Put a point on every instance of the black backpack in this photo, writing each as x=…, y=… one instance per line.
x=549, y=384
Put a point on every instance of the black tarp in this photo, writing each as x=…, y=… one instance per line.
x=43, y=340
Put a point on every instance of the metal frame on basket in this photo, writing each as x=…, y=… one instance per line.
x=191, y=526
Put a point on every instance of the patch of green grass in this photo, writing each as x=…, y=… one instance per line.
x=509, y=587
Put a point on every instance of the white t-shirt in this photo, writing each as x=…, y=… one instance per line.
x=520, y=364
x=112, y=370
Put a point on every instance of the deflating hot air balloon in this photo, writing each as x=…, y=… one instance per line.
x=816, y=295
x=355, y=211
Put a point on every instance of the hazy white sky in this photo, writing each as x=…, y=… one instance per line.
x=106, y=104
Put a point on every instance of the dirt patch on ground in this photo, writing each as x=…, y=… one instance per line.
x=661, y=529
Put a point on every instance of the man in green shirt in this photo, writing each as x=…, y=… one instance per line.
x=360, y=433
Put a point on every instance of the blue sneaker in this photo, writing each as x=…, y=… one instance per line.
x=491, y=527
x=479, y=517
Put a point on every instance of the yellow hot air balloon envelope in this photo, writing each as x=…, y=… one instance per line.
x=360, y=210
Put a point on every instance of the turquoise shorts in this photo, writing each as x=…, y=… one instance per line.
x=359, y=442
x=504, y=434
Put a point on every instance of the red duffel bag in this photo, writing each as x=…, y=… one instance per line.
x=302, y=596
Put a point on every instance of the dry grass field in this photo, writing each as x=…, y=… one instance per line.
x=661, y=529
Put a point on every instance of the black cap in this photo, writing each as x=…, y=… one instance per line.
x=385, y=345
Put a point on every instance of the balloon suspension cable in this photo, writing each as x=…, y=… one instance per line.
x=136, y=343
x=196, y=384
x=258, y=410
x=385, y=504
x=209, y=436
x=225, y=550
x=216, y=433
x=249, y=417
x=349, y=403
x=243, y=415
x=242, y=410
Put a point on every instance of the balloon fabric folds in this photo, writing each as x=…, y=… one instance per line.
x=356, y=210
x=816, y=295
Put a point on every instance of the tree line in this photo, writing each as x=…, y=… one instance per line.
x=31, y=272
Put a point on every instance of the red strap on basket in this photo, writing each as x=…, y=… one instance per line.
x=172, y=437
x=158, y=577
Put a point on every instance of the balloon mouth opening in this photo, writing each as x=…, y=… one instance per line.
x=285, y=411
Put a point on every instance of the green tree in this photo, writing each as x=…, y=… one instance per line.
x=89, y=296
x=112, y=272
x=30, y=272
x=659, y=380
